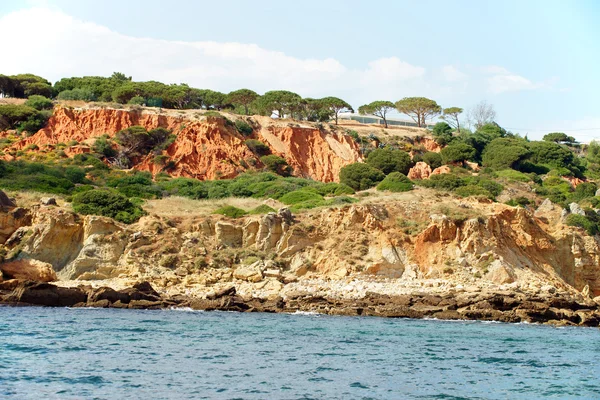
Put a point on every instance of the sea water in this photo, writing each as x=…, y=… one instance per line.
x=48, y=353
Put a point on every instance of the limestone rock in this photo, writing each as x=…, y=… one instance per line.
x=29, y=269
x=500, y=273
x=46, y=294
x=421, y=170
x=444, y=169
x=48, y=201
x=5, y=202
x=576, y=209
x=250, y=273
x=229, y=234
x=545, y=208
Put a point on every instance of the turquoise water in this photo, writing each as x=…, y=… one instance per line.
x=168, y=354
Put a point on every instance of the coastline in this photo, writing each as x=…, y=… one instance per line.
x=559, y=309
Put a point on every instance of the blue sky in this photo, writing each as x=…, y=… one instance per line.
x=535, y=61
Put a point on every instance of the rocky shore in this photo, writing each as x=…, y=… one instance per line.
x=548, y=308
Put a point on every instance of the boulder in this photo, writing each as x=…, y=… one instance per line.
x=576, y=209
x=5, y=201
x=48, y=201
x=46, y=294
x=444, y=169
x=29, y=269
x=421, y=170
x=250, y=273
x=108, y=294
x=229, y=234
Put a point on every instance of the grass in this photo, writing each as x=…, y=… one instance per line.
x=176, y=206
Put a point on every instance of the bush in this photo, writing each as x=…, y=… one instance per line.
x=332, y=189
x=39, y=102
x=258, y=147
x=300, y=196
x=582, y=221
x=442, y=133
x=473, y=190
x=457, y=152
x=137, y=100
x=503, y=153
x=262, y=209
x=434, y=160
x=513, y=175
x=360, y=176
x=77, y=94
x=103, y=146
x=443, y=181
x=387, y=160
x=396, y=182
x=243, y=127
x=231, y=212
x=583, y=191
x=520, y=201
x=276, y=164
x=107, y=203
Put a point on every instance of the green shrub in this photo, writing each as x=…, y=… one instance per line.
x=276, y=164
x=503, y=153
x=520, y=201
x=353, y=135
x=360, y=176
x=137, y=100
x=258, y=147
x=231, y=212
x=387, y=160
x=513, y=175
x=443, y=181
x=583, y=191
x=434, y=160
x=300, y=196
x=262, y=209
x=396, y=182
x=457, y=152
x=472, y=190
x=77, y=94
x=39, y=102
x=341, y=200
x=332, y=189
x=217, y=189
x=582, y=221
x=107, y=203
x=442, y=133
x=243, y=127
x=212, y=114
x=103, y=146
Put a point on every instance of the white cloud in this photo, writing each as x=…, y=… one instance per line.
x=494, y=69
x=453, y=74
x=510, y=83
x=71, y=47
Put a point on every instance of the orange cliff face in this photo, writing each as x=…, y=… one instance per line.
x=207, y=148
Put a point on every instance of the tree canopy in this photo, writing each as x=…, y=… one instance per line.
x=242, y=97
x=451, y=116
x=559, y=137
x=336, y=105
x=379, y=108
x=419, y=109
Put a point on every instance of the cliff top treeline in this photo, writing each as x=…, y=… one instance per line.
x=122, y=89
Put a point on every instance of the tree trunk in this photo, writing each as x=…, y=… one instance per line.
x=246, y=108
x=336, y=118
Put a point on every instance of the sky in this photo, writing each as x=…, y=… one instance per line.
x=536, y=62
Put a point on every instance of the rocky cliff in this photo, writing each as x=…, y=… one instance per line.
x=488, y=244
x=356, y=254
x=206, y=147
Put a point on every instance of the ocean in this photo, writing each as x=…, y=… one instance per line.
x=61, y=353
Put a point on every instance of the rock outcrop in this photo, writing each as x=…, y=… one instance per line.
x=420, y=170
x=205, y=147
